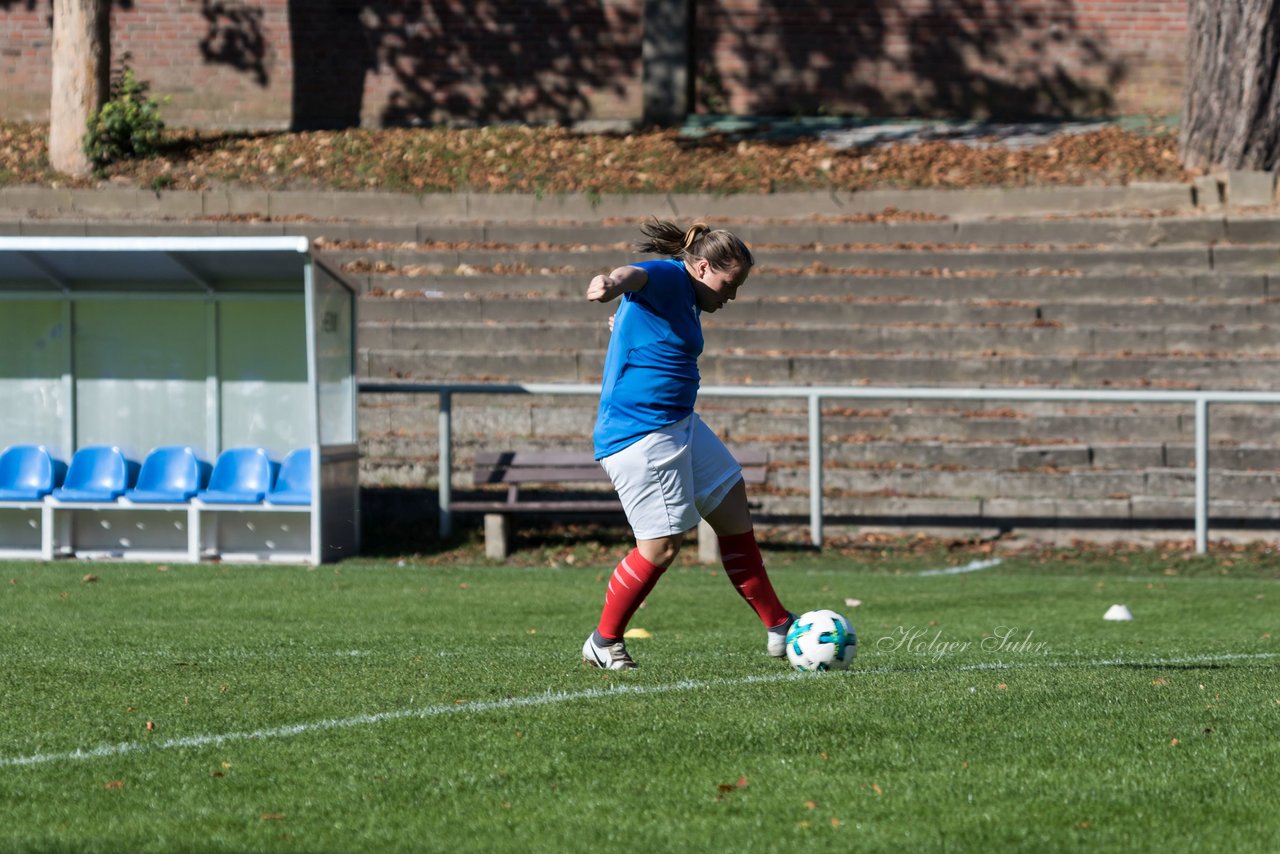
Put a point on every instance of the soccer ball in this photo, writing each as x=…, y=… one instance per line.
x=821, y=640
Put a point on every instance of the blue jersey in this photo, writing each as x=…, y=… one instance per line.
x=651, y=368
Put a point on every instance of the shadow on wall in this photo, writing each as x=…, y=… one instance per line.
x=516, y=60
x=999, y=59
x=460, y=63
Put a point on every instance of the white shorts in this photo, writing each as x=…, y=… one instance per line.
x=671, y=477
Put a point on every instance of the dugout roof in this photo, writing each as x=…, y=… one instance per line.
x=172, y=265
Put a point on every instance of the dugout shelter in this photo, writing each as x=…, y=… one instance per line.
x=213, y=353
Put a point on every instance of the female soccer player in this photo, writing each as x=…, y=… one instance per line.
x=667, y=466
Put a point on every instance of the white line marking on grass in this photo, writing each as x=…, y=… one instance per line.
x=1126, y=662
x=547, y=699
x=972, y=566
x=556, y=697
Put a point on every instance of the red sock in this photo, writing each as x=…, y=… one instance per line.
x=630, y=584
x=745, y=567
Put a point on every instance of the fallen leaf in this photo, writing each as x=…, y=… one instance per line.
x=1160, y=681
x=835, y=822
x=637, y=633
x=875, y=787
x=114, y=784
x=151, y=726
x=1174, y=742
x=1002, y=686
x=89, y=578
x=272, y=816
x=725, y=788
x=852, y=603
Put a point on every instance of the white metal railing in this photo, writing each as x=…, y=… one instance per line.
x=817, y=394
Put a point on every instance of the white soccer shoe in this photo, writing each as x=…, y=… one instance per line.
x=776, y=638
x=612, y=656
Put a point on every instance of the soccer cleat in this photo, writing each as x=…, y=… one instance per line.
x=610, y=656
x=776, y=637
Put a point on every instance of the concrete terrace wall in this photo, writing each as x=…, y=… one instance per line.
x=333, y=63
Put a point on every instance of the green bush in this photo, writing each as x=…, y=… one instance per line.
x=128, y=124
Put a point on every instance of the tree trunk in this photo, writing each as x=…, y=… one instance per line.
x=81, y=77
x=1231, y=113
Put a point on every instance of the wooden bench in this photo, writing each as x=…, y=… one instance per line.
x=515, y=469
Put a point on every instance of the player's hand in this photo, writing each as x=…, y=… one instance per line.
x=603, y=288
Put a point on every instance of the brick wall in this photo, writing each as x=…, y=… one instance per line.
x=229, y=63
x=269, y=63
x=941, y=57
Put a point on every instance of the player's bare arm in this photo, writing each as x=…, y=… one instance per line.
x=605, y=288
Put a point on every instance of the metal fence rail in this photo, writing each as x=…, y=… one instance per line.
x=815, y=395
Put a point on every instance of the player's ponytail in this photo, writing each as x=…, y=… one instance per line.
x=718, y=247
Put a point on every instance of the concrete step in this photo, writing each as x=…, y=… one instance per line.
x=1106, y=519
x=1226, y=372
x=783, y=420
x=587, y=260
x=1152, y=200
x=1097, y=231
x=1026, y=338
x=390, y=451
x=1233, y=235
x=572, y=286
x=790, y=451
x=1081, y=484
x=850, y=310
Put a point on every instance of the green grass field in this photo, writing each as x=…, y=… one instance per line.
x=376, y=706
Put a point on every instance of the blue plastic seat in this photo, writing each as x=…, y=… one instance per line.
x=171, y=474
x=240, y=476
x=97, y=473
x=28, y=473
x=293, y=482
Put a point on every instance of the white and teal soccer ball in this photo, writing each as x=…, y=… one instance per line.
x=821, y=640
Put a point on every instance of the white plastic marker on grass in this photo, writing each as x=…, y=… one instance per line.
x=1118, y=612
x=972, y=566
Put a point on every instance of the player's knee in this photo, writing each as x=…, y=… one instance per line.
x=662, y=551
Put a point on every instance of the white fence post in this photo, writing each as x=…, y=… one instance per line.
x=1202, y=474
x=445, y=490
x=815, y=470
